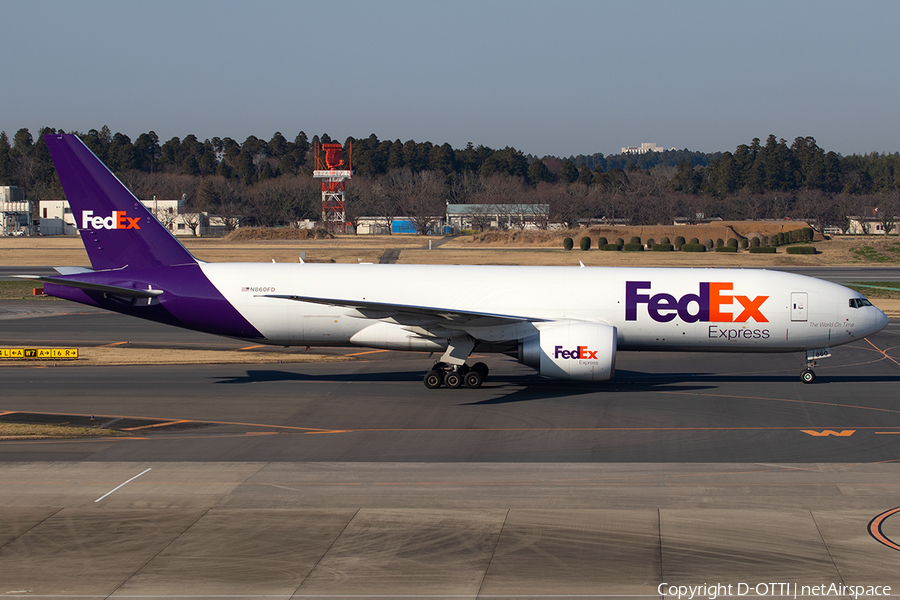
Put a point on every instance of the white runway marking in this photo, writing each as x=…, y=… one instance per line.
x=120, y=485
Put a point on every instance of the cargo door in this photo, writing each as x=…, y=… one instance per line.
x=798, y=306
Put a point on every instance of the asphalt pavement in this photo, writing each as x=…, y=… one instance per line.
x=353, y=480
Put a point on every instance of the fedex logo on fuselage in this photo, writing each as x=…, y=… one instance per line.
x=118, y=220
x=710, y=305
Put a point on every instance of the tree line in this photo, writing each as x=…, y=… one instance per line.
x=270, y=182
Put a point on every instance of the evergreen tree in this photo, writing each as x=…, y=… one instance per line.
x=301, y=144
x=412, y=156
x=245, y=168
x=687, y=179
x=278, y=145
x=395, y=156
x=231, y=149
x=442, y=159
x=190, y=166
x=22, y=143
x=265, y=171
x=42, y=169
x=5, y=165
x=539, y=173
x=170, y=156
x=568, y=173
x=254, y=145
x=147, y=152
x=585, y=175
x=121, y=153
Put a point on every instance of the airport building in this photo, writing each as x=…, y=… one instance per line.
x=498, y=216
x=644, y=148
x=464, y=216
x=871, y=226
x=15, y=212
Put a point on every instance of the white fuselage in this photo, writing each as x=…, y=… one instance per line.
x=662, y=309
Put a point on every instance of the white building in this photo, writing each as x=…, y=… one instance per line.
x=57, y=219
x=15, y=212
x=498, y=216
x=644, y=148
x=871, y=226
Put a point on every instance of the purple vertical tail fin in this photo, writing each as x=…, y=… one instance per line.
x=117, y=230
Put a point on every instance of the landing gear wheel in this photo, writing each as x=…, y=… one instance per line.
x=433, y=379
x=453, y=379
x=807, y=376
x=481, y=368
x=473, y=379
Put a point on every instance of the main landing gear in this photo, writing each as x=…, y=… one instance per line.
x=454, y=376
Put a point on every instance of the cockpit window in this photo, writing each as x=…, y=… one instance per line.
x=859, y=302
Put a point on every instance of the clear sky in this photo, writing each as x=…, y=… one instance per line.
x=547, y=77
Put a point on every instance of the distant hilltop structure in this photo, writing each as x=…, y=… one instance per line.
x=644, y=148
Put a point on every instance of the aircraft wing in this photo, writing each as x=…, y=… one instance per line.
x=406, y=313
x=96, y=287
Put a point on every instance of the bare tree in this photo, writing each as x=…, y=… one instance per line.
x=193, y=220
x=384, y=199
x=283, y=201
x=420, y=197
x=888, y=205
x=166, y=216
x=817, y=208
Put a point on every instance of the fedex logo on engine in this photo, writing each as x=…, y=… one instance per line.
x=712, y=304
x=118, y=220
x=580, y=352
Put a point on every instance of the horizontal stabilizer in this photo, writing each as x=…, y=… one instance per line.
x=96, y=287
x=72, y=270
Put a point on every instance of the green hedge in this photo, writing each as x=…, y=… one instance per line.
x=568, y=244
x=632, y=247
x=585, y=243
x=762, y=249
x=801, y=250
x=726, y=249
x=662, y=247
x=611, y=247
x=693, y=248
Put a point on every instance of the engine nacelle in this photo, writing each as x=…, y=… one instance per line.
x=572, y=350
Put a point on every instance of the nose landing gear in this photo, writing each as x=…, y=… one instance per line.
x=808, y=375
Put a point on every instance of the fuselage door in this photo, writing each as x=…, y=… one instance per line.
x=798, y=306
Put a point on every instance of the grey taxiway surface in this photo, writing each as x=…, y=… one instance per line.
x=352, y=480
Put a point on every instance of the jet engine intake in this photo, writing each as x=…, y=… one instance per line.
x=572, y=350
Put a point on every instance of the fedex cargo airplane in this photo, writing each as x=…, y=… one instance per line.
x=567, y=322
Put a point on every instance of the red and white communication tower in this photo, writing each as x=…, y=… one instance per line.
x=330, y=168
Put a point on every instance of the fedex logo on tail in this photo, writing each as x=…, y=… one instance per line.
x=714, y=303
x=118, y=220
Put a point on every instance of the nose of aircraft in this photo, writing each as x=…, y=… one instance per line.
x=879, y=320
